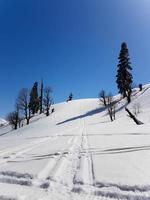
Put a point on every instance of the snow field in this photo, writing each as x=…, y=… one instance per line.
x=77, y=153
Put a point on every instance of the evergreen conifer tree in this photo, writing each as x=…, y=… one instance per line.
x=34, y=99
x=41, y=97
x=124, y=76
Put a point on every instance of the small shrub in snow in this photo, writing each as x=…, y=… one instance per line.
x=44, y=185
x=77, y=190
x=136, y=108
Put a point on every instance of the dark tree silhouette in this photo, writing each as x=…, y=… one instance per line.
x=138, y=122
x=41, y=97
x=110, y=103
x=102, y=97
x=140, y=87
x=124, y=76
x=23, y=101
x=34, y=100
x=47, y=100
x=70, y=97
x=13, y=119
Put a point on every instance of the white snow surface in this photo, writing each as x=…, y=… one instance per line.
x=3, y=121
x=77, y=153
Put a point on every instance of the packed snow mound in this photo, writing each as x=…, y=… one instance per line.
x=77, y=153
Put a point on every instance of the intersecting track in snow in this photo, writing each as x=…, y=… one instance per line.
x=62, y=165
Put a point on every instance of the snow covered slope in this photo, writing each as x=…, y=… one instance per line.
x=2, y=122
x=77, y=153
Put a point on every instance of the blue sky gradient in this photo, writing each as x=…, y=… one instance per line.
x=72, y=44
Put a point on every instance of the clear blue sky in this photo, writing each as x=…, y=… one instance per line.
x=72, y=44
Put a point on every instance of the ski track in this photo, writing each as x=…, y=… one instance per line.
x=84, y=173
x=73, y=172
x=12, y=154
x=71, y=169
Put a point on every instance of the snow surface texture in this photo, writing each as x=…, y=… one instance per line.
x=3, y=122
x=78, y=154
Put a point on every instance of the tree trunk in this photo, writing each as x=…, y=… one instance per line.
x=128, y=98
x=15, y=126
x=28, y=116
x=124, y=94
x=133, y=117
x=47, y=112
x=27, y=120
x=110, y=114
x=114, y=112
x=105, y=104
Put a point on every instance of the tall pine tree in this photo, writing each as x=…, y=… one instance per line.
x=124, y=76
x=41, y=97
x=34, y=99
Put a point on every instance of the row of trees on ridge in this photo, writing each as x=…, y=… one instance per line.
x=28, y=103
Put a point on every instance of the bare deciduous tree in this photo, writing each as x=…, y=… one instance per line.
x=17, y=110
x=109, y=103
x=47, y=100
x=23, y=103
x=13, y=119
x=102, y=97
x=110, y=106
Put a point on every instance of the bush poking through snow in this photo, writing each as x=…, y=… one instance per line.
x=136, y=108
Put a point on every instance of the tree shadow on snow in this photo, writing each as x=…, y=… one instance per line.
x=90, y=113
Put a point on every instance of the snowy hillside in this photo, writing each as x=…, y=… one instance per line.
x=77, y=153
x=2, y=122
